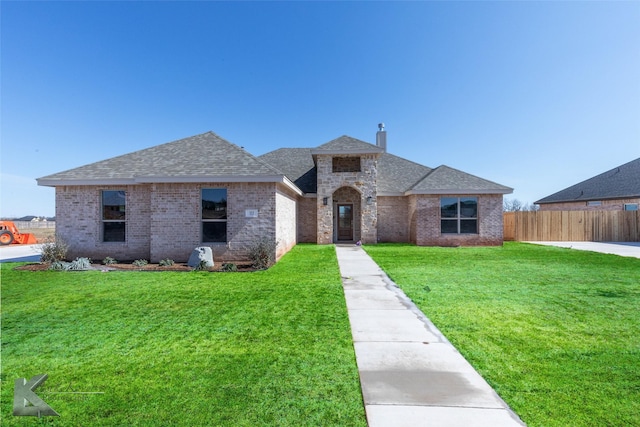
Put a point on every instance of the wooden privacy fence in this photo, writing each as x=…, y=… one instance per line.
x=577, y=226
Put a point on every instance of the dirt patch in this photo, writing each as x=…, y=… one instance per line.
x=218, y=267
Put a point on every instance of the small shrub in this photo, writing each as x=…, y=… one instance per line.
x=108, y=261
x=202, y=266
x=80, y=264
x=58, y=266
x=140, y=262
x=229, y=267
x=166, y=262
x=54, y=249
x=262, y=252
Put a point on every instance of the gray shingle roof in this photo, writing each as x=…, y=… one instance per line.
x=397, y=175
x=297, y=164
x=618, y=183
x=208, y=157
x=444, y=179
x=347, y=144
x=204, y=155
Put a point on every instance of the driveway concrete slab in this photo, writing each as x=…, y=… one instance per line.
x=410, y=373
x=20, y=253
x=626, y=249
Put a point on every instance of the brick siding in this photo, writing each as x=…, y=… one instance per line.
x=393, y=219
x=424, y=211
x=607, y=205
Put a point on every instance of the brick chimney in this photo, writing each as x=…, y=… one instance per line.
x=381, y=137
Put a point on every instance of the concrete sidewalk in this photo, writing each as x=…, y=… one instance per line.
x=409, y=372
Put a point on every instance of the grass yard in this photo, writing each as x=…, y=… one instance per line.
x=184, y=349
x=555, y=331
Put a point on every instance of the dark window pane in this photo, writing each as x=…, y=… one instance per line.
x=214, y=231
x=113, y=231
x=214, y=203
x=449, y=207
x=469, y=226
x=449, y=226
x=468, y=207
x=113, y=204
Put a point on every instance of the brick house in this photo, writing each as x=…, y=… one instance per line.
x=617, y=189
x=163, y=201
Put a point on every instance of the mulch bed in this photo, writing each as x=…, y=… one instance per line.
x=242, y=266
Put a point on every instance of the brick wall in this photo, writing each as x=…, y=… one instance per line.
x=393, y=219
x=607, y=205
x=163, y=220
x=425, y=210
x=307, y=220
x=78, y=222
x=286, y=219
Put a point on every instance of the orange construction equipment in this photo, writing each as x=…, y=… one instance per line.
x=9, y=234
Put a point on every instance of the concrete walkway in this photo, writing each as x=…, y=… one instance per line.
x=409, y=372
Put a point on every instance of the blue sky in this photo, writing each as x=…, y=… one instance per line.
x=534, y=95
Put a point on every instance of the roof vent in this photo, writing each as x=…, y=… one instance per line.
x=381, y=137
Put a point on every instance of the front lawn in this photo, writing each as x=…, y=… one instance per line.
x=184, y=349
x=555, y=331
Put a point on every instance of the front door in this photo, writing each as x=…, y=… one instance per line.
x=345, y=222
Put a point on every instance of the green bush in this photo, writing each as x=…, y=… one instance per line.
x=109, y=261
x=229, y=267
x=140, y=262
x=166, y=262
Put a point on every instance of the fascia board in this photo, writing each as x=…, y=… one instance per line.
x=84, y=182
x=456, y=192
x=362, y=151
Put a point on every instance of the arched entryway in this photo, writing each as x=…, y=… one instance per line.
x=347, y=215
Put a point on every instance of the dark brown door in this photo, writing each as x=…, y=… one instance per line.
x=345, y=222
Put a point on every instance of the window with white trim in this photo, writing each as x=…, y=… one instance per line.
x=459, y=215
x=214, y=215
x=114, y=215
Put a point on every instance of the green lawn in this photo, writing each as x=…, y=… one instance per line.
x=184, y=349
x=555, y=331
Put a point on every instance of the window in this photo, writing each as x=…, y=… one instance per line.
x=630, y=206
x=214, y=215
x=113, y=216
x=459, y=215
x=346, y=164
x=594, y=203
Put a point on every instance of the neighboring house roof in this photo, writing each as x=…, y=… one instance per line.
x=621, y=182
x=205, y=156
x=209, y=158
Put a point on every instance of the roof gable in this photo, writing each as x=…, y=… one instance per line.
x=447, y=180
x=618, y=183
x=201, y=156
x=346, y=144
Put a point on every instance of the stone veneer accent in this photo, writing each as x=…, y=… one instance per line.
x=163, y=220
x=424, y=217
x=607, y=205
x=364, y=182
